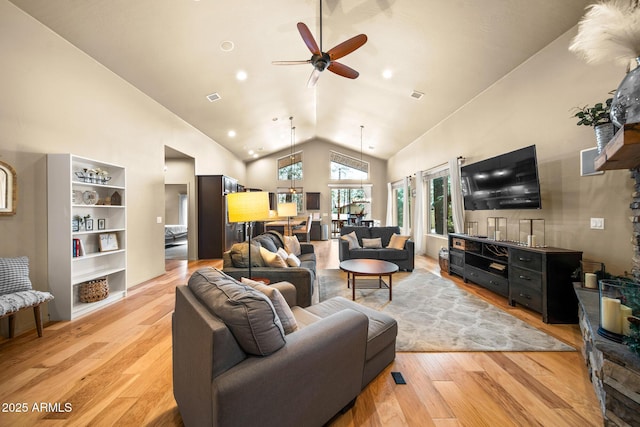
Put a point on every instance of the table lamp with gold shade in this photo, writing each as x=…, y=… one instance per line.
x=288, y=210
x=248, y=207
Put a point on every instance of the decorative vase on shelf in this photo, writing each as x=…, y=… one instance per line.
x=625, y=107
x=604, y=133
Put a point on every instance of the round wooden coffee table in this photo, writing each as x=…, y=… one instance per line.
x=369, y=267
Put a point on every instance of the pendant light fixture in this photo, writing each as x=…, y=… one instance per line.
x=361, y=197
x=361, y=130
x=292, y=189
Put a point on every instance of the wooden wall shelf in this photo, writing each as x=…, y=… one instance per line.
x=623, y=151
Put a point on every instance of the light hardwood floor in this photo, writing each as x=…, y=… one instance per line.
x=113, y=367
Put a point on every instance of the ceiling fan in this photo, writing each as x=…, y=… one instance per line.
x=326, y=60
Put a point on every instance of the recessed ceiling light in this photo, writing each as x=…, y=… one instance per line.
x=241, y=75
x=251, y=152
x=255, y=156
x=231, y=133
x=387, y=74
x=227, y=46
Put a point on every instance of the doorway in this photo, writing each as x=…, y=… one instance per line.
x=179, y=214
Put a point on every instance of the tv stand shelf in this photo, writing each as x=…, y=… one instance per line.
x=538, y=278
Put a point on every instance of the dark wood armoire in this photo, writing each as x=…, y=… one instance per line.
x=215, y=233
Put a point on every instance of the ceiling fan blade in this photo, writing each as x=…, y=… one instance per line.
x=313, y=78
x=343, y=70
x=308, y=38
x=347, y=47
x=308, y=61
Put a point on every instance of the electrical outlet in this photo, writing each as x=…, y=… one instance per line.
x=597, y=223
x=159, y=220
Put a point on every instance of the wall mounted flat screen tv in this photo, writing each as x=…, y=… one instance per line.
x=508, y=181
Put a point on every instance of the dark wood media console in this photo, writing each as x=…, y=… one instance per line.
x=538, y=278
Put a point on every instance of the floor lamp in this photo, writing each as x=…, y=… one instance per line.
x=247, y=207
x=288, y=210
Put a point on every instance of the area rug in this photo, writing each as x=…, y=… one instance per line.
x=434, y=314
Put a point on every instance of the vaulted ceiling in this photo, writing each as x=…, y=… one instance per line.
x=177, y=52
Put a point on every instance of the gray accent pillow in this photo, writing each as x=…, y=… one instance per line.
x=266, y=241
x=240, y=255
x=283, y=311
x=248, y=313
x=372, y=243
x=14, y=275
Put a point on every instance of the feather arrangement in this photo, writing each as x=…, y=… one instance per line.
x=609, y=31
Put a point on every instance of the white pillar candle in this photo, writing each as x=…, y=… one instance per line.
x=531, y=240
x=497, y=234
x=625, y=325
x=590, y=281
x=610, y=315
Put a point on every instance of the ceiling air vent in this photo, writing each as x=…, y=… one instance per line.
x=417, y=95
x=213, y=97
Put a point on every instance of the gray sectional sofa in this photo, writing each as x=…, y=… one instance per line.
x=403, y=258
x=304, y=377
x=302, y=277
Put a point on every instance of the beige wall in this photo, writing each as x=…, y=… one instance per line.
x=532, y=105
x=56, y=99
x=262, y=173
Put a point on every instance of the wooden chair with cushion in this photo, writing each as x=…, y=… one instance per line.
x=304, y=231
x=16, y=292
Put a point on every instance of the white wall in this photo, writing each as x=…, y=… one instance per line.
x=532, y=105
x=56, y=99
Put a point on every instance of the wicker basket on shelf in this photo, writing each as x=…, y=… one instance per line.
x=94, y=290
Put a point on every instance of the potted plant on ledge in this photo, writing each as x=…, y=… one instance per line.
x=597, y=116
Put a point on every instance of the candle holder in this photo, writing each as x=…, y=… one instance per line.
x=497, y=228
x=591, y=272
x=531, y=233
x=619, y=300
x=471, y=228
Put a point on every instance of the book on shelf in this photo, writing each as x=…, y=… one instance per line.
x=77, y=248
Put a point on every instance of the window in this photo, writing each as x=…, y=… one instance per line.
x=398, y=208
x=345, y=167
x=290, y=167
x=439, y=199
x=286, y=196
x=400, y=203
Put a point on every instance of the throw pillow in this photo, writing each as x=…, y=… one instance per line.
x=397, y=241
x=352, y=239
x=239, y=253
x=272, y=259
x=283, y=253
x=372, y=243
x=293, y=261
x=283, y=310
x=249, y=314
x=14, y=275
x=292, y=245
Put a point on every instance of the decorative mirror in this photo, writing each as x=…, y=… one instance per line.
x=8, y=189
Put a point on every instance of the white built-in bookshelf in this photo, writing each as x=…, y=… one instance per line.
x=92, y=190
